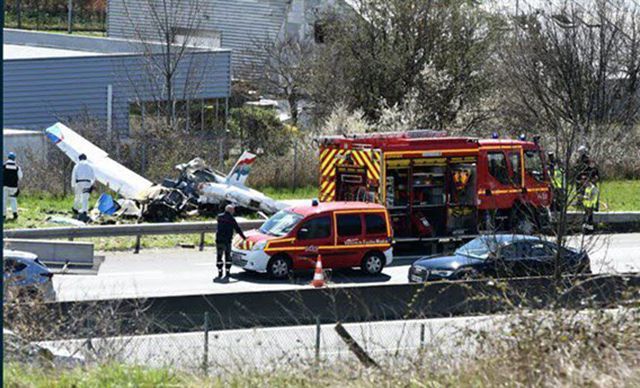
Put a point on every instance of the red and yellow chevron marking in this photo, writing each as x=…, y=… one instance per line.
x=332, y=157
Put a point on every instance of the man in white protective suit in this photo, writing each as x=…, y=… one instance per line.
x=82, y=180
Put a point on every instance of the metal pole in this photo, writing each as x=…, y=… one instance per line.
x=19, y=13
x=295, y=164
x=109, y=108
x=318, y=329
x=202, y=114
x=69, y=15
x=202, y=241
x=205, y=356
x=143, y=128
x=422, y=335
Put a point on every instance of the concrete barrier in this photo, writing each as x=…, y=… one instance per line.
x=351, y=304
x=55, y=252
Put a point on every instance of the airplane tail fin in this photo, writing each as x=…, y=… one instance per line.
x=241, y=169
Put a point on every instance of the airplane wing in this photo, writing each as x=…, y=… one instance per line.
x=241, y=169
x=108, y=172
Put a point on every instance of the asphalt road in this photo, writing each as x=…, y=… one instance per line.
x=187, y=271
x=288, y=346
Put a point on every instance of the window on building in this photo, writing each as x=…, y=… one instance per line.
x=319, y=31
x=375, y=224
x=498, y=167
x=349, y=225
x=197, y=37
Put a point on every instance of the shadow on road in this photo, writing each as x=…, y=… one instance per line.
x=335, y=276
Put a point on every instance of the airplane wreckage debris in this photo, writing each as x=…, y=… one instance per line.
x=198, y=190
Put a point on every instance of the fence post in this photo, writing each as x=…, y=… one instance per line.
x=318, y=329
x=69, y=15
x=137, y=249
x=205, y=356
x=421, y=336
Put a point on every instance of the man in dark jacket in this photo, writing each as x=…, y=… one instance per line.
x=226, y=226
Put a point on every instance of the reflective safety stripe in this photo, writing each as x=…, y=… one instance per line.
x=590, y=198
x=558, y=178
x=338, y=247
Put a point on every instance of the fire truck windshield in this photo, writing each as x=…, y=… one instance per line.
x=281, y=223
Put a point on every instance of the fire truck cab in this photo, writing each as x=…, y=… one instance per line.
x=436, y=186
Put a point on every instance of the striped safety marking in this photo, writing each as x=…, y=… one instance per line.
x=330, y=158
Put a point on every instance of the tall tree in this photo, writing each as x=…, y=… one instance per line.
x=571, y=75
x=433, y=51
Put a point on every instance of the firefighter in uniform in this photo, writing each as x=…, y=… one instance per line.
x=12, y=174
x=587, y=167
x=82, y=181
x=589, y=203
x=558, y=183
x=226, y=226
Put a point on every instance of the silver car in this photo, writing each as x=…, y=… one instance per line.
x=26, y=276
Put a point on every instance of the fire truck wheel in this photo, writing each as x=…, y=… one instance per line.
x=521, y=220
x=372, y=263
x=279, y=267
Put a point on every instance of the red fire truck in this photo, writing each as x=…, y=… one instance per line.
x=436, y=186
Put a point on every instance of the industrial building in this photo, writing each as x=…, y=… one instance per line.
x=55, y=77
x=239, y=25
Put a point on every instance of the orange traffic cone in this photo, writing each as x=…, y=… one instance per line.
x=318, y=276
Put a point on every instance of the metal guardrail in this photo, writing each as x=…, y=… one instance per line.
x=137, y=230
x=203, y=227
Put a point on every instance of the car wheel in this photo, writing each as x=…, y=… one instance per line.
x=470, y=274
x=279, y=267
x=372, y=263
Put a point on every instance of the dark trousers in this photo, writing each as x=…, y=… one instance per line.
x=223, y=249
x=588, y=218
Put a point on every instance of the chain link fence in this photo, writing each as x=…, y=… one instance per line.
x=388, y=344
x=57, y=15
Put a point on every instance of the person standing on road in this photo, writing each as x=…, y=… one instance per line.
x=12, y=174
x=589, y=203
x=226, y=226
x=82, y=181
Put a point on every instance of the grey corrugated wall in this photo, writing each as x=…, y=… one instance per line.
x=242, y=23
x=37, y=92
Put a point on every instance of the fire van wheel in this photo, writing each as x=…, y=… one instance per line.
x=279, y=267
x=372, y=263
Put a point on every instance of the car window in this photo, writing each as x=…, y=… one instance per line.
x=498, y=167
x=316, y=228
x=375, y=224
x=8, y=265
x=514, y=159
x=540, y=249
x=19, y=267
x=514, y=251
x=349, y=225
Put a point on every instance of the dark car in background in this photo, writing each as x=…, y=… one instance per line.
x=26, y=276
x=499, y=256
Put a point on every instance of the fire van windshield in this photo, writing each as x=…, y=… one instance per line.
x=280, y=223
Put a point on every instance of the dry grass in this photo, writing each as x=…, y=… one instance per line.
x=560, y=348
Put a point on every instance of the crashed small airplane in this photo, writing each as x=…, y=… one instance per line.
x=198, y=187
